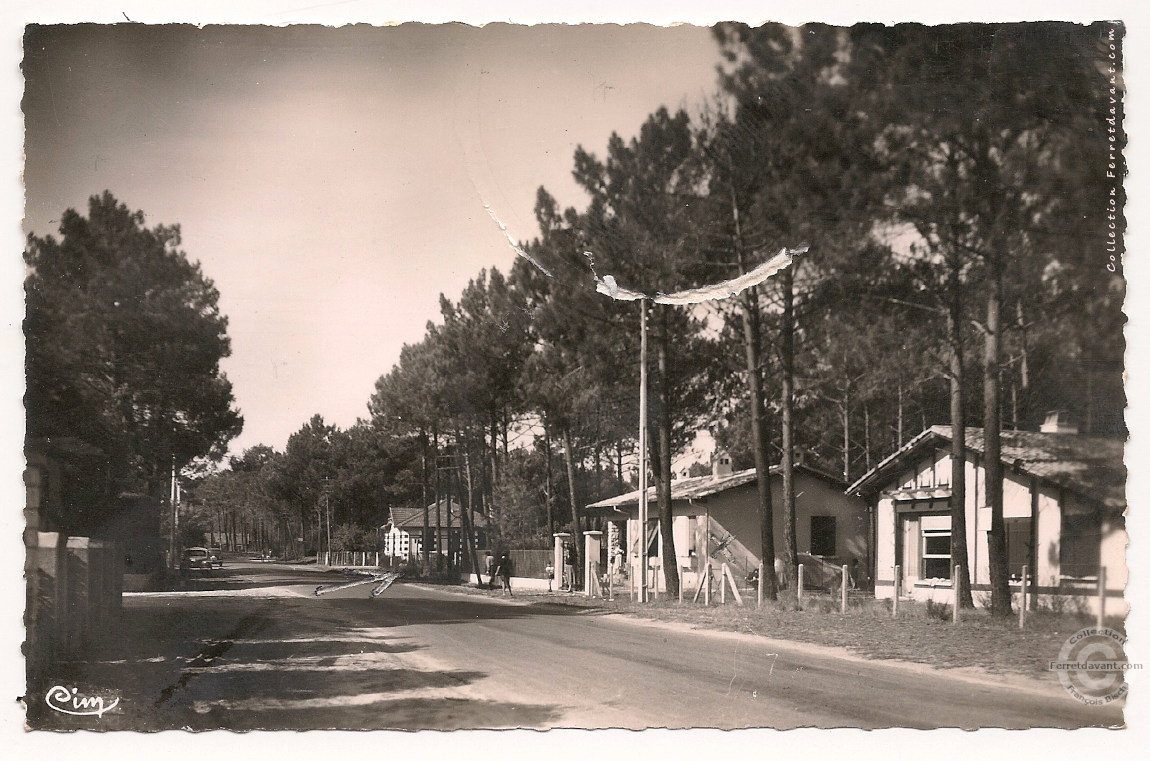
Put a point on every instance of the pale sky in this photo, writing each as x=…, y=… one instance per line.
x=332, y=182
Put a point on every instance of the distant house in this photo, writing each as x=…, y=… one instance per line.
x=403, y=533
x=1063, y=503
x=716, y=520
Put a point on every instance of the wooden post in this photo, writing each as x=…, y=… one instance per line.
x=1022, y=602
x=957, y=591
x=707, y=588
x=894, y=606
x=1101, y=597
x=734, y=587
x=845, y=585
x=798, y=585
x=760, y=585
x=723, y=585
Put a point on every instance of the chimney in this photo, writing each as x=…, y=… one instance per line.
x=720, y=464
x=1058, y=421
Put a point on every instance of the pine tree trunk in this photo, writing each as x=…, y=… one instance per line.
x=424, y=549
x=752, y=337
x=900, y=412
x=846, y=415
x=958, y=550
x=548, y=489
x=438, y=493
x=465, y=518
x=576, y=534
x=1000, y=604
x=670, y=557
x=449, y=544
x=790, y=544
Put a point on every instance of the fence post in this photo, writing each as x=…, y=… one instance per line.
x=723, y=584
x=897, y=584
x=845, y=581
x=761, y=585
x=1101, y=597
x=799, y=585
x=1022, y=601
x=612, y=564
x=957, y=590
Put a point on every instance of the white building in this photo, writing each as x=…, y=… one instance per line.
x=1063, y=504
x=402, y=535
x=715, y=520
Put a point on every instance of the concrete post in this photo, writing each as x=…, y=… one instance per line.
x=560, y=538
x=798, y=586
x=592, y=540
x=845, y=585
x=1022, y=601
x=761, y=568
x=897, y=590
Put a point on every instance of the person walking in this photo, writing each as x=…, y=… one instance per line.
x=503, y=571
x=489, y=566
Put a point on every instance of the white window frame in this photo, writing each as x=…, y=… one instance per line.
x=924, y=556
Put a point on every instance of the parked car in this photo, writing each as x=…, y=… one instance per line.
x=217, y=554
x=196, y=559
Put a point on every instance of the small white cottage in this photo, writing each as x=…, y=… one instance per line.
x=402, y=535
x=716, y=521
x=1063, y=504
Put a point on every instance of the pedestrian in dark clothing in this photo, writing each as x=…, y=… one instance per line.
x=503, y=571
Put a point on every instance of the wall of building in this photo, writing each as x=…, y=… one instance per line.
x=736, y=511
x=1021, y=493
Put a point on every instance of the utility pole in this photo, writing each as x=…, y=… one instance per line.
x=327, y=513
x=642, y=449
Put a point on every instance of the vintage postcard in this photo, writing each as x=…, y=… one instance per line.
x=461, y=376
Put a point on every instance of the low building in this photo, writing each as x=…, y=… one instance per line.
x=716, y=520
x=1063, y=505
x=402, y=535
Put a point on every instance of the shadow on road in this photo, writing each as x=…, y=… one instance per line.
x=283, y=662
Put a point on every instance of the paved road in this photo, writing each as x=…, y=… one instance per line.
x=256, y=648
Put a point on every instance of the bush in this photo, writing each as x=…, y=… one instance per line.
x=939, y=610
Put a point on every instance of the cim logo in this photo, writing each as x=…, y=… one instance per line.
x=70, y=702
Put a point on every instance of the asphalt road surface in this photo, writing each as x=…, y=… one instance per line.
x=253, y=647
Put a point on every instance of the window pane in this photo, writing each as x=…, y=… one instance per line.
x=823, y=535
x=936, y=544
x=1081, y=544
x=936, y=568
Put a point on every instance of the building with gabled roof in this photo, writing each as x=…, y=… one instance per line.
x=1063, y=504
x=716, y=520
x=403, y=532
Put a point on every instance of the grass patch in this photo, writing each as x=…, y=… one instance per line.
x=922, y=633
